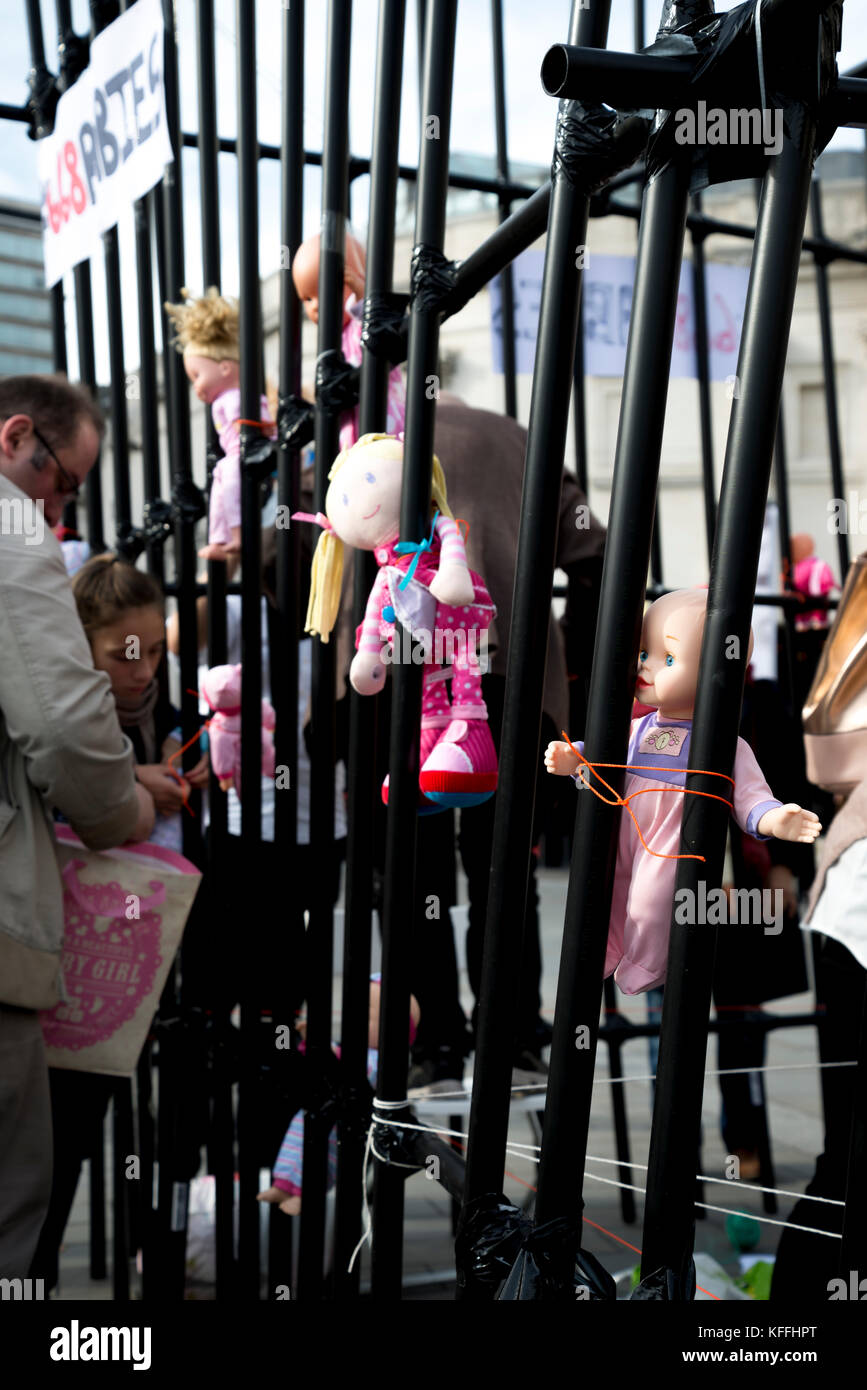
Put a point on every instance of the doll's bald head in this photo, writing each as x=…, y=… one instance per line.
x=671, y=638
x=305, y=273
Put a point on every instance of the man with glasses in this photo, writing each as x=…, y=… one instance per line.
x=60, y=746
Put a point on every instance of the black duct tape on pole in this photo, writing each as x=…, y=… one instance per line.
x=584, y=143
x=384, y=326
x=188, y=500
x=431, y=275
x=739, y=72
x=295, y=422
x=490, y=1235
x=336, y=381
x=536, y=1275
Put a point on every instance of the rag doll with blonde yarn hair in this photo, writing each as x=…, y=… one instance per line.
x=442, y=604
x=209, y=338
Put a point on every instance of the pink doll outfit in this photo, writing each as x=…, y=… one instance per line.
x=641, y=908
x=224, y=510
x=812, y=577
x=221, y=688
x=350, y=344
x=457, y=756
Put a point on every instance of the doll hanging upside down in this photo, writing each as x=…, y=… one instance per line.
x=644, y=883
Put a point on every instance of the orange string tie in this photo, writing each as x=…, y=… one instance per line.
x=258, y=424
x=177, y=753
x=459, y=522
x=618, y=800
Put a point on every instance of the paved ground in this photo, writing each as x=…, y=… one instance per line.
x=794, y=1110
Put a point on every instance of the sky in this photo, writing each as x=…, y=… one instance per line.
x=530, y=27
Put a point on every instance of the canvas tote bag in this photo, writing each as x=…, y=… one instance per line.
x=125, y=911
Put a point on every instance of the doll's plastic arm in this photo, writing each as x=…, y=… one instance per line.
x=790, y=822
x=560, y=760
x=269, y=718
x=453, y=551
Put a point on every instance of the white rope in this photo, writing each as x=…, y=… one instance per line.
x=467, y=1091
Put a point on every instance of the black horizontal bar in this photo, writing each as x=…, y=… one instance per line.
x=620, y=1030
x=633, y=81
x=700, y=224
x=655, y=591
x=358, y=165
x=13, y=113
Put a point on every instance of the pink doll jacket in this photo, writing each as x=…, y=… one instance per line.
x=221, y=688
x=225, y=506
x=812, y=577
x=350, y=344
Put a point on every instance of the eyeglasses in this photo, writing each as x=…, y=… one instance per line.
x=70, y=486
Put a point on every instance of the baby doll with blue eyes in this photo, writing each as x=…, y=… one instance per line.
x=441, y=603
x=640, y=920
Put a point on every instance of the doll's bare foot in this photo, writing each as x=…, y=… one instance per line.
x=276, y=1196
x=214, y=552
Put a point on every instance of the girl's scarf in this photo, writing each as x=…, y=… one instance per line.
x=139, y=714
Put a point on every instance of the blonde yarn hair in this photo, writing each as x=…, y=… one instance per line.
x=326, y=575
x=206, y=327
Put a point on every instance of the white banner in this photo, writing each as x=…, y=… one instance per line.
x=607, y=296
x=110, y=143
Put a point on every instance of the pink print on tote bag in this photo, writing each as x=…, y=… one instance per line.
x=125, y=911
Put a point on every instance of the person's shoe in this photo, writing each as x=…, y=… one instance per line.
x=462, y=769
x=530, y=1061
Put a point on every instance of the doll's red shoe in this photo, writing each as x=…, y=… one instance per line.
x=462, y=769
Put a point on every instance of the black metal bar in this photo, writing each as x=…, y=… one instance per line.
x=519, y=745
x=636, y=468
x=669, y=1212
x=251, y=622
x=117, y=382
x=362, y=789
x=400, y=849
x=506, y=279
x=148, y=400
x=97, y=1202
x=121, y=1152
x=171, y=1222
x=221, y=1136
x=579, y=403
x=320, y=932
x=702, y=362
x=284, y=654
x=638, y=23
x=60, y=363
x=830, y=373
x=711, y=226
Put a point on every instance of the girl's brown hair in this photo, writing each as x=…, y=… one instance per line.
x=106, y=586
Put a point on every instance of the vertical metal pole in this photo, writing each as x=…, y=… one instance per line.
x=401, y=824
x=362, y=789
x=148, y=404
x=121, y=1149
x=702, y=362
x=221, y=1139
x=669, y=1220
x=284, y=654
x=552, y=378
x=251, y=623
x=830, y=371
x=638, y=22
x=855, y=1213
x=173, y=1039
x=506, y=279
x=320, y=932
x=59, y=363
x=579, y=404
x=81, y=279
x=636, y=466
